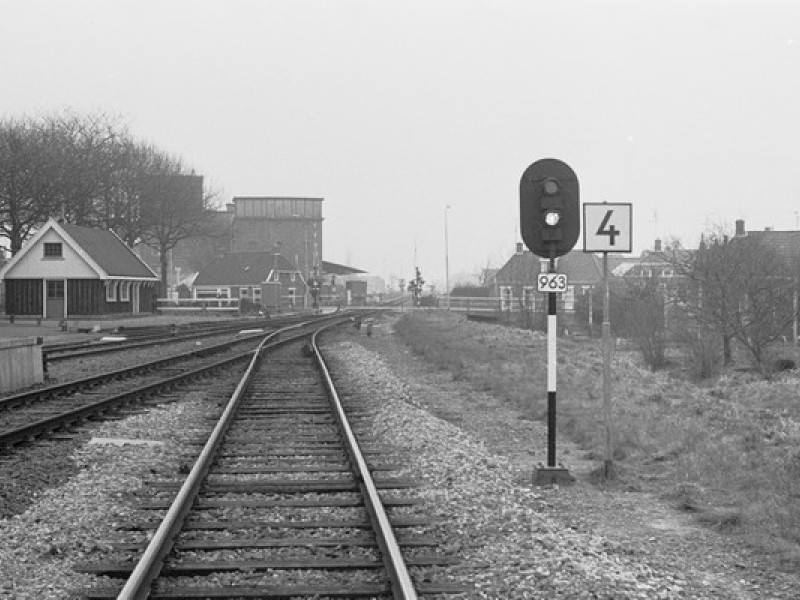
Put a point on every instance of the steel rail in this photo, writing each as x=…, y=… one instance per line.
x=24, y=398
x=138, y=585
x=148, y=568
x=402, y=586
x=83, y=413
x=63, y=352
x=21, y=399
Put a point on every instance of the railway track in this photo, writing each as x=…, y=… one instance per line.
x=41, y=412
x=289, y=497
x=145, y=337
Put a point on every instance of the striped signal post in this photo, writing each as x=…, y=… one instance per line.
x=550, y=225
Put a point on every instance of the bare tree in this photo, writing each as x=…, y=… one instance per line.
x=84, y=153
x=173, y=207
x=742, y=288
x=26, y=190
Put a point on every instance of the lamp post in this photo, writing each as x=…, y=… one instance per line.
x=446, y=259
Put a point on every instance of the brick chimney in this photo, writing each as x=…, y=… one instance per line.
x=740, y=231
x=657, y=246
x=520, y=248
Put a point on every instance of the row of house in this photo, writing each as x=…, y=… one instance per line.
x=514, y=284
x=67, y=271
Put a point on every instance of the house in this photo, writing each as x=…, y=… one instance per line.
x=265, y=278
x=70, y=271
x=515, y=281
x=785, y=244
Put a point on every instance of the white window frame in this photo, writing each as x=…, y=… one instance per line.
x=529, y=297
x=111, y=291
x=124, y=291
x=53, y=246
x=506, y=297
x=569, y=298
x=244, y=292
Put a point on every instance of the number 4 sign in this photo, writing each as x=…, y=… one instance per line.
x=608, y=227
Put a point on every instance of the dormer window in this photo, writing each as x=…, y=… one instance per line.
x=53, y=250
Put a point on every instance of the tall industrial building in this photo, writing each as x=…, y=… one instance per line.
x=293, y=226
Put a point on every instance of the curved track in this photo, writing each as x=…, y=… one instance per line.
x=282, y=502
x=27, y=416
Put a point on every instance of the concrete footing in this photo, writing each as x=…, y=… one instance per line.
x=552, y=476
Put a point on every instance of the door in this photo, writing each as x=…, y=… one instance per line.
x=54, y=308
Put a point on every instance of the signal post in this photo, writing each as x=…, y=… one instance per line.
x=550, y=225
x=608, y=227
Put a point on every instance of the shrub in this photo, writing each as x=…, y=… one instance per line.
x=704, y=356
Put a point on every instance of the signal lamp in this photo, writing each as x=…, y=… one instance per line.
x=552, y=218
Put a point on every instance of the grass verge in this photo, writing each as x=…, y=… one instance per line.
x=727, y=450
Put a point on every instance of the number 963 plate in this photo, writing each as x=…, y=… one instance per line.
x=551, y=282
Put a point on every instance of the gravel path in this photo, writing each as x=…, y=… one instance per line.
x=476, y=457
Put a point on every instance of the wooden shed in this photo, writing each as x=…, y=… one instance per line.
x=71, y=271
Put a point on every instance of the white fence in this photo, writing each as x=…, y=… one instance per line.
x=474, y=305
x=216, y=305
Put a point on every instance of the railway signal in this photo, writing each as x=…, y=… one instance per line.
x=549, y=211
x=549, y=208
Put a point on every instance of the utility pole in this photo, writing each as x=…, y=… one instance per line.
x=446, y=258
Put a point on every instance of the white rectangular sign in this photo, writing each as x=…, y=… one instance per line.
x=551, y=282
x=608, y=227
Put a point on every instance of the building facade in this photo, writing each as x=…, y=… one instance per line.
x=265, y=278
x=292, y=225
x=69, y=271
x=289, y=226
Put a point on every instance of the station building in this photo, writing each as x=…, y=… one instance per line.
x=70, y=271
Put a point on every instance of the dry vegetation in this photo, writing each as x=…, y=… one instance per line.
x=726, y=449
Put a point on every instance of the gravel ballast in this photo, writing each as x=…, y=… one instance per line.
x=515, y=540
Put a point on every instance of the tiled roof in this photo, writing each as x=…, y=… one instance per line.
x=242, y=268
x=580, y=268
x=108, y=251
x=785, y=244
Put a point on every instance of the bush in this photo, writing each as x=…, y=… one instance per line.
x=428, y=301
x=248, y=307
x=704, y=358
x=641, y=318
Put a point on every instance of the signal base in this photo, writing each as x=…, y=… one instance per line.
x=552, y=476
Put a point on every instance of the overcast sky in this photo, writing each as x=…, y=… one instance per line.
x=392, y=111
